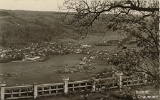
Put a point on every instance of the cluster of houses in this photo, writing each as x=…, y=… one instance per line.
x=41, y=51
x=85, y=65
x=108, y=43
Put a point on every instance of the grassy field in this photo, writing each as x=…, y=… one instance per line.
x=93, y=38
x=29, y=73
x=42, y=75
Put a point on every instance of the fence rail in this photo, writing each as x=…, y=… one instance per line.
x=79, y=85
x=17, y=92
x=50, y=89
x=132, y=81
x=34, y=91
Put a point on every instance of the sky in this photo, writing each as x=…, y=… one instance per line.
x=34, y=5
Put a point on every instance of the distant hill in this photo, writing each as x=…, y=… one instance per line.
x=18, y=27
x=21, y=27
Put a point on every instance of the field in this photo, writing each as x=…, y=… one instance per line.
x=31, y=74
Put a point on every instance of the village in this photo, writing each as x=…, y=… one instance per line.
x=79, y=50
x=41, y=51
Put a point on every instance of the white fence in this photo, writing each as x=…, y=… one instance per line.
x=34, y=91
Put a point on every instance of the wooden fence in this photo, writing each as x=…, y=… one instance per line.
x=34, y=91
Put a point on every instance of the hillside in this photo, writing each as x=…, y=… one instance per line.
x=22, y=27
x=18, y=27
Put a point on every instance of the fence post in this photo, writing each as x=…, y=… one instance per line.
x=138, y=79
x=3, y=91
x=66, y=85
x=120, y=79
x=94, y=86
x=145, y=78
x=35, y=90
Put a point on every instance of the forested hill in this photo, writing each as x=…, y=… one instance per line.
x=21, y=27
x=18, y=27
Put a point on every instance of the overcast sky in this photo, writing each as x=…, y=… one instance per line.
x=35, y=5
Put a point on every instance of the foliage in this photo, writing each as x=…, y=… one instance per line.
x=138, y=19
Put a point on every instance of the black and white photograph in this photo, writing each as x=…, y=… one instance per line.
x=79, y=50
